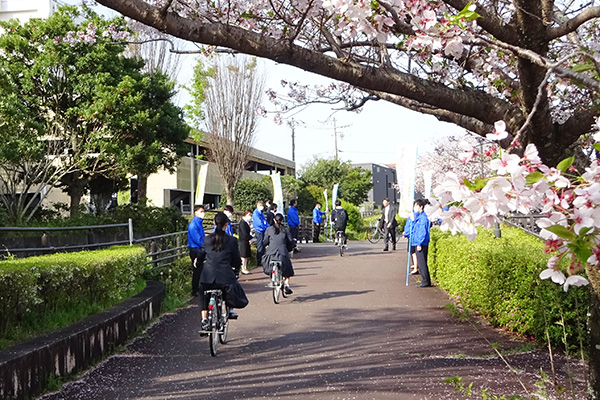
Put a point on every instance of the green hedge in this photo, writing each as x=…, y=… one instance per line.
x=499, y=278
x=34, y=288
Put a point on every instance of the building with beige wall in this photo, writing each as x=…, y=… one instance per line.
x=167, y=189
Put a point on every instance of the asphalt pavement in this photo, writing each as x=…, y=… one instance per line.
x=351, y=330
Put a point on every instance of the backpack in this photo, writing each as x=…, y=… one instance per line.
x=341, y=219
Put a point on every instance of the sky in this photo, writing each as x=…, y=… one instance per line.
x=371, y=136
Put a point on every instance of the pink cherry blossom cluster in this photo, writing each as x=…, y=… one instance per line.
x=522, y=185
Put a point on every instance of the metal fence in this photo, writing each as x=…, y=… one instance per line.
x=161, y=250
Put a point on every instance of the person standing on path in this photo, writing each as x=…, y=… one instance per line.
x=317, y=221
x=339, y=218
x=195, y=241
x=388, y=220
x=260, y=224
x=293, y=220
x=244, y=240
x=269, y=214
x=420, y=239
x=411, y=248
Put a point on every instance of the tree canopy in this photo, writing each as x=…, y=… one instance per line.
x=533, y=64
x=70, y=85
x=354, y=182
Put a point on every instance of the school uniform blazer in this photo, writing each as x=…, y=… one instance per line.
x=278, y=248
x=219, y=265
x=244, y=231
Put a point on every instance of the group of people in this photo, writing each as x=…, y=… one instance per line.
x=219, y=258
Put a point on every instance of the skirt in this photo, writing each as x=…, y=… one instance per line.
x=245, y=250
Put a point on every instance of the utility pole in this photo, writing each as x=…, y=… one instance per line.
x=335, y=139
x=292, y=125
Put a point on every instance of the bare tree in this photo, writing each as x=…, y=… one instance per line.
x=232, y=98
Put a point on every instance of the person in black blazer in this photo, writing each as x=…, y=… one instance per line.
x=244, y=240
x=389, y=223
x=221, y=265
x=279, y=243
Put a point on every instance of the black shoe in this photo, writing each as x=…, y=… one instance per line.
x=421, y=285
x=414, y=272
x=296, y=251
x=386, y=249
x=287, y=290
x=233, y=315
x=394, y=248
x=205, y=325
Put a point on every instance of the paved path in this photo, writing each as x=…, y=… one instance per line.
x=351, y=330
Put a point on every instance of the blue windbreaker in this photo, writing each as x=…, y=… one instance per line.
x=259, y=222
x=318, y=216
x=195, y=233
x=420, y=230
x=293, y=219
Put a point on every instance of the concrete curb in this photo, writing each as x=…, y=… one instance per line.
x=25, y=368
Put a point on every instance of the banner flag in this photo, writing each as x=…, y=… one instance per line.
x=201, y=185
x=277, y=192
x=326, y=202
x=427, y=181
x=406, y=166
x=334, y=195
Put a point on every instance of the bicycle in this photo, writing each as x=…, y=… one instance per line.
x=340, y=238
x=218, y=320
x=377, y=233
x=277, y=281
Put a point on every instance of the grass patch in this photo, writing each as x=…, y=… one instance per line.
x=33, y=326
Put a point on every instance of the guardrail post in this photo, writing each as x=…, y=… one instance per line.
x=45, y=240
x=130, y=228
x=153, y=249
x=91, y=237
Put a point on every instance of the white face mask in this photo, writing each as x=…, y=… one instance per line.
x=228, y=214
x=260, y=208
x=248, y=218
x=201, y=215
x=417, y=209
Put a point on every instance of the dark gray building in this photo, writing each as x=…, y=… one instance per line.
x=384, y=181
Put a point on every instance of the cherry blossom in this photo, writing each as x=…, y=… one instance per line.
x=499, y=131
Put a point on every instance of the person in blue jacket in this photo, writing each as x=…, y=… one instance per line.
x=293, y=221
x=420, y=239
x=195, y=241
x=317, y=221
x=260, y=225
x=414, y=270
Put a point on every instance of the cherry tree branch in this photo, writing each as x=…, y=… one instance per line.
x=574, y=23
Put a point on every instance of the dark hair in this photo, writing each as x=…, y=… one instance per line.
x=200, y=206
x=219, y=236
x=278, y=223
x=247, y=212
x=318, y=204
x=228, y=208
x=293, y=202
x=273, y=207
x=338, y=202
x=386, y=199
x=421, y=202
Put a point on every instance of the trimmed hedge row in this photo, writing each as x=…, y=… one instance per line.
x=33, y=287
x=499, y=278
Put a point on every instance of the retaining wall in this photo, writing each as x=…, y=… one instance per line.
x=25, y=368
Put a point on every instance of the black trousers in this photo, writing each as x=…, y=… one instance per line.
x=197, y=256
x=390, y=234
x=422, y=265
x=260, y=247
x=316, y=232
x=294, y=233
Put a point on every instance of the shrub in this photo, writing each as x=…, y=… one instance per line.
x=499, y=278
x=33, y=288
x=248, y=192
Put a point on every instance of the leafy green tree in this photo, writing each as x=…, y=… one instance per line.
x=72, y=83
x=354, y=182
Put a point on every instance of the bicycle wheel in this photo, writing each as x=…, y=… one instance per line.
x=341, y=244
x=277, y=285
x=374, y=236
x=224, y=323
x=213, y=336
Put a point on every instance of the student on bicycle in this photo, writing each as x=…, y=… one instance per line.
x=339, y=217
x=279, y=243
x=221, y=267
